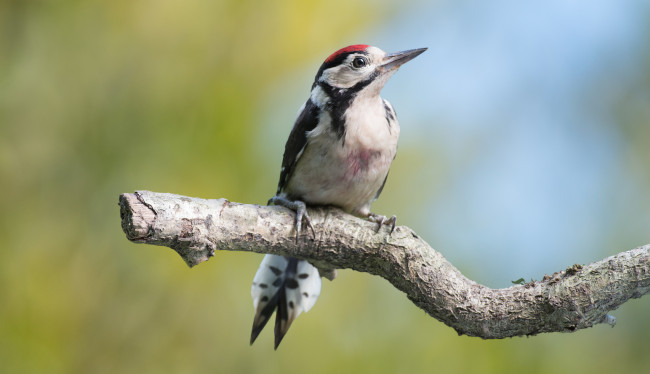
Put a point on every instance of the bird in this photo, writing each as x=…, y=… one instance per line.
x=338, y=153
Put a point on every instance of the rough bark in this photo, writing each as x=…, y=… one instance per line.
x=575, y=298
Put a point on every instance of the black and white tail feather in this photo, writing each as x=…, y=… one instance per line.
x=287, y=284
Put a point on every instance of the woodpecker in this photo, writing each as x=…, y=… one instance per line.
x=338, y=153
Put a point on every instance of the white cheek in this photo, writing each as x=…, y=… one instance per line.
x=347, y=79
x=344, y=76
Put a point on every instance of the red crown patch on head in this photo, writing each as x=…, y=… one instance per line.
x=348, y=49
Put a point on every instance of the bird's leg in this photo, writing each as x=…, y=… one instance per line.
x=301, y=212
x=382, y=220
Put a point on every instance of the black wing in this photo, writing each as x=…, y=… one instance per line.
x=381, y=188
x=306, y=121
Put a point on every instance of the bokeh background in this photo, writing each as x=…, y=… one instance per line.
x=524, y=150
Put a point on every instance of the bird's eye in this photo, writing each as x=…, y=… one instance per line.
x=359, y=62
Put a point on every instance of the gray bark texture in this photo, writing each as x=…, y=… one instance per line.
x=572, y=299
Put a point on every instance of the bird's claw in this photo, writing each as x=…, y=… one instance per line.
x=382, y=220
x=301, y=213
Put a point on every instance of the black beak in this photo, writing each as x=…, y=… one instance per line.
x=397, y=59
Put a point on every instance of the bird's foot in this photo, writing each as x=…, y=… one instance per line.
x=382, y=220
x=301, y=212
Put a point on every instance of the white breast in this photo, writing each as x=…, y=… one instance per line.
x=347, y=172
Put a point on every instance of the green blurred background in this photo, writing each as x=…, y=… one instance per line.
x=196, y=97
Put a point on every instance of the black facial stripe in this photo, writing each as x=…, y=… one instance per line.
x=340, y=101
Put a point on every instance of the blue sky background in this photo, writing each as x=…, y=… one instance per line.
x=544, y=187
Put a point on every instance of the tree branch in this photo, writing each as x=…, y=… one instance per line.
x=572, y=299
